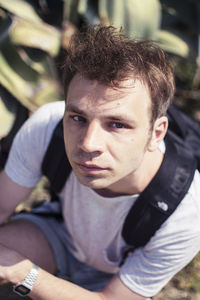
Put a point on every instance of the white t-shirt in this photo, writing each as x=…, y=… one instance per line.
x=94, y=222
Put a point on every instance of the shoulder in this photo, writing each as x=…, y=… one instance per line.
x=48, y=113
x=40, y=125
x=31, y=142
x=188, y=211
x=172, y=247
x=182, y=229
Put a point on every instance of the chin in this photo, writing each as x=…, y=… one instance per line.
x=92, y=182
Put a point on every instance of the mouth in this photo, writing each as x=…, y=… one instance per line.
x=90, y=168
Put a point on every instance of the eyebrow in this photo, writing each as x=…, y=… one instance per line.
x=121, y=118
x=74, y=109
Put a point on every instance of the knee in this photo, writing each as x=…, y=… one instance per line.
x=26, y=238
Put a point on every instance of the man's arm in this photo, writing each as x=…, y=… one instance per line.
x=64, y=290
x=14, y=268
x=11, y=194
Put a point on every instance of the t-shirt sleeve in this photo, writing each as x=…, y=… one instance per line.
x=148, y=269
x=30, y=144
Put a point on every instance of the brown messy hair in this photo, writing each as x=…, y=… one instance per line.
x=106, y=54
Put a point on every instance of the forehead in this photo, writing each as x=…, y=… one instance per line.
x=88, y=95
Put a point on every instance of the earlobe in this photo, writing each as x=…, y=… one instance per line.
x=158, y=133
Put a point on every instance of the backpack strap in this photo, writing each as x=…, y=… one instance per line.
x=55, y=165
x=162, y=196
x=185, y=129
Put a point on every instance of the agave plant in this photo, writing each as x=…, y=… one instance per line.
x=28, y=46
x=139, y=19
x=174, y=25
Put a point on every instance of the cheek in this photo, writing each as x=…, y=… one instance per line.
x=68, y=142
x=131, y=150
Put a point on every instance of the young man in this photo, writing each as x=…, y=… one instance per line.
x=117, y=93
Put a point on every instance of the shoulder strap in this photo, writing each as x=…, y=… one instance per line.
x=55, y=165
x=162, y=196
x=186, y=129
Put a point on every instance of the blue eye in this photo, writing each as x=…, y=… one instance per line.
x=78, y=118
x=117, y=125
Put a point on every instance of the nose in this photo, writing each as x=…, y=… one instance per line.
x=92, y=139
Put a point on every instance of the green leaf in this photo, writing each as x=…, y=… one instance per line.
x=24, y=83
x=39, y=61
x=5, y=24
x=172, y=43
x=41, y=36
x=15, y=84
x=139, y=19
x=47, y=91
x=70, y=11
x=7, y=117
x=21, y=9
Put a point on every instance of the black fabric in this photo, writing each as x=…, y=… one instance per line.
x=161, y=197
x=55, y=165
x=185, y=130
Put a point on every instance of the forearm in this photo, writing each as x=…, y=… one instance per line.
x=14, y=268
x=46, y=286
x=49, y=287
x=11, y=194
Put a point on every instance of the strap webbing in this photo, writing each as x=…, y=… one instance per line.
x=55, y=164
x=161, y=197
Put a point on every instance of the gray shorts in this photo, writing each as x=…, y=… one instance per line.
x=48, y=218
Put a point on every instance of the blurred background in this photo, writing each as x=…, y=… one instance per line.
x=34, y=35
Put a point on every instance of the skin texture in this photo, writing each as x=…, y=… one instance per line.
x=108, y=138
x=113, y=151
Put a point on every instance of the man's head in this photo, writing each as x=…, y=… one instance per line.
x=117, y=93
x=105, y=54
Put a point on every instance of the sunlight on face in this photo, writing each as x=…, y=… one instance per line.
x=106, y=131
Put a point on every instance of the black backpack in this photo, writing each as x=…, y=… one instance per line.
x=164, y=193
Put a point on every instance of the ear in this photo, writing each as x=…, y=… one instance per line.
x=158, y=133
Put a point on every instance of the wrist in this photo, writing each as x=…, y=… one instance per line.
x=23, y=288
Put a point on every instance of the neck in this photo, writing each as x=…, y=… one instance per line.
x=136, y=182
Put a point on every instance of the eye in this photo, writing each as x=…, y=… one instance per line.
x=117, y=125
x=77, y=118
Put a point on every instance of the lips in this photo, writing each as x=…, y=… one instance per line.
x=90, y=168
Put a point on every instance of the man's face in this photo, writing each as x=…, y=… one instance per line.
x=106, y=132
